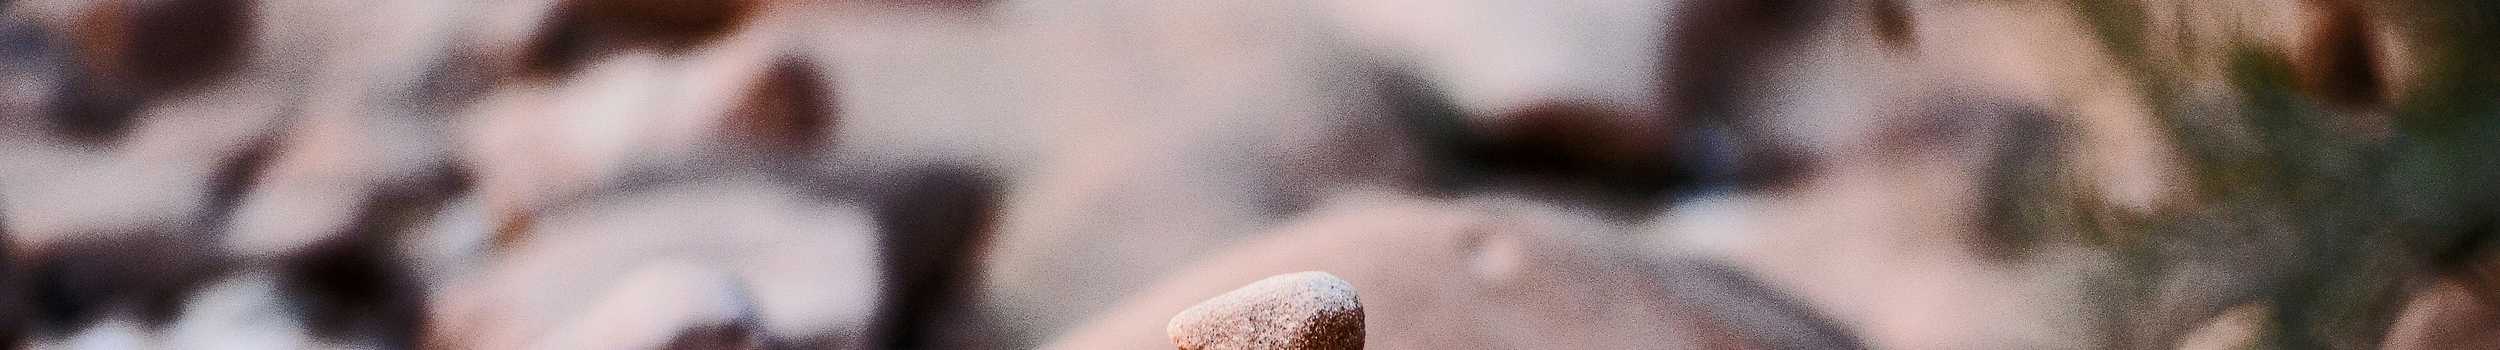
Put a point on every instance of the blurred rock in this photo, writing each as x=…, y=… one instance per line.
x=1478, y=274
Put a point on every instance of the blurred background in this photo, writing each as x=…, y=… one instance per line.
x=1069, y=174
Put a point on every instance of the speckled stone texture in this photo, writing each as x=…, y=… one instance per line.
x=1309, y=310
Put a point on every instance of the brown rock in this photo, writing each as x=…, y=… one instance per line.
x=1302, y=310
x=163, y=45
